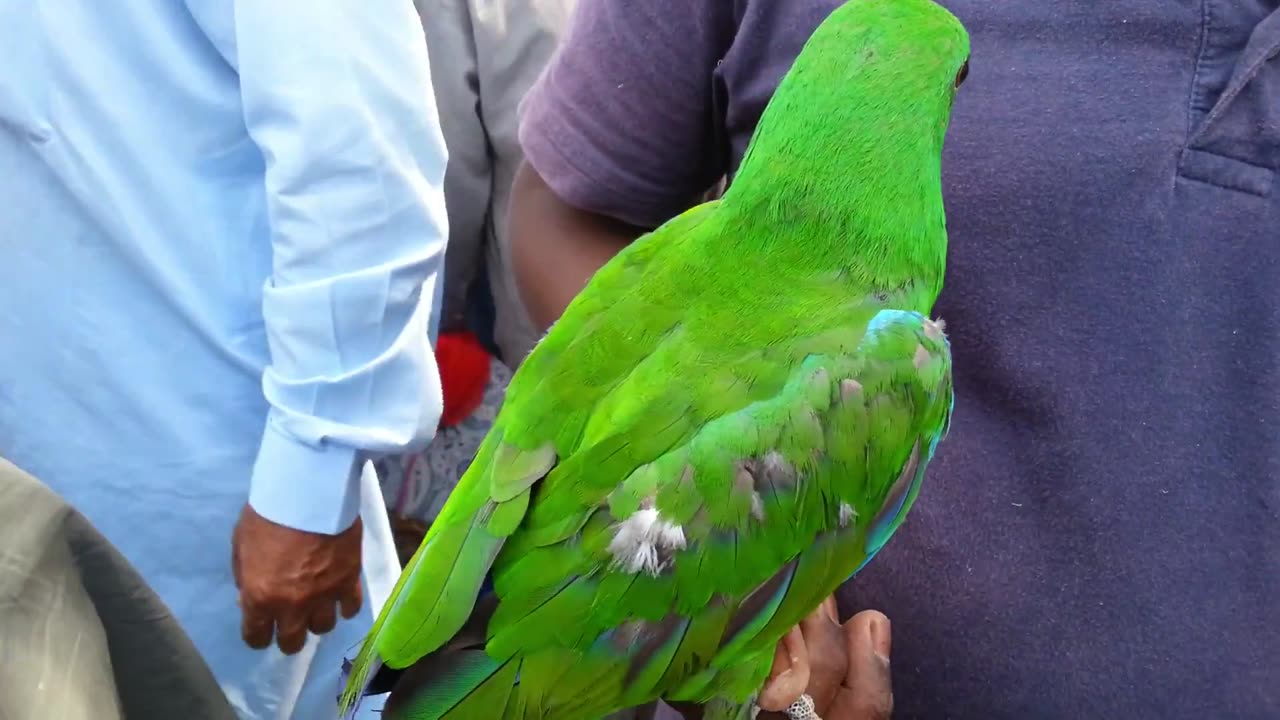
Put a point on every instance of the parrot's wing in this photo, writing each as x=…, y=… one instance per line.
x=437, y=590
x=679, y=580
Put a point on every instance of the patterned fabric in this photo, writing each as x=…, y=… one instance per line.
x=416, y=485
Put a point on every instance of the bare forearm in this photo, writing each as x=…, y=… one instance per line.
x=555, y=247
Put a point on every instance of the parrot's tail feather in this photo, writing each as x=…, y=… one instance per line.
x=362, y=673
x=453, y=686
x=368, y=661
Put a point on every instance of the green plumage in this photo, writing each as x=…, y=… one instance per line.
x=727, y=423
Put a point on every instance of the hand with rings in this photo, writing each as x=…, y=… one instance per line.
x=823, y=670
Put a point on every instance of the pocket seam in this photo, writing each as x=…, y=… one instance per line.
x=1236, y=85
x=1225, y=172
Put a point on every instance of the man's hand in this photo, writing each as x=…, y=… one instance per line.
x=290, y=580
x=845, y=669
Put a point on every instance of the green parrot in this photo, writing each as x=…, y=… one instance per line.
x=727, y=423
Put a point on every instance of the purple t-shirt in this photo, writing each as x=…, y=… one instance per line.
x=1100, y=537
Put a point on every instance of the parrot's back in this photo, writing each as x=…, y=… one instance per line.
x=728, y=422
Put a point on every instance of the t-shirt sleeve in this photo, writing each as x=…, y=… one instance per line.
x=622, y=121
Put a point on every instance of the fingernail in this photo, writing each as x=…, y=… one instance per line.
x=880, y=637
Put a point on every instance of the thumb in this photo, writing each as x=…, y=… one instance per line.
x=868, y=688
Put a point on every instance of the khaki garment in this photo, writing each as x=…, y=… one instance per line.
x=82, y=637
x=485, y=55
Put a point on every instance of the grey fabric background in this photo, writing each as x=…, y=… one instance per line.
x=484, y=57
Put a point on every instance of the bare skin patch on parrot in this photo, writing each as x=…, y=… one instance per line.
x=771, y=472
x=744, y=482
x=626, y=634
x=850, y=389
x=922, y=357
x=650, y=639
x=646, y=543
x=686, y=476
x=776, y=467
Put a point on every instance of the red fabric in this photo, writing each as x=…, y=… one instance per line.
x=464, y=375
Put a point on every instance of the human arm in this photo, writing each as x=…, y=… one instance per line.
x=617, y=138
x=337, y=95
x=556, y=247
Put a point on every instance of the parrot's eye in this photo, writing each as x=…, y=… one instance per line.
x=964, y=73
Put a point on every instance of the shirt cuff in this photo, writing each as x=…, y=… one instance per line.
x=306, y=487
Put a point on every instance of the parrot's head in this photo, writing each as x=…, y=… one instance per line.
x=885, y=56
x=875, y=74
x=853, y=135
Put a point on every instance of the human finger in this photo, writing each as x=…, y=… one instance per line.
x=825, y=651
x=869, y=683
x=351, y=599
x=291, y=631
x=323, y=617
x=790, y=674
x=256, y=625
x=825, y=614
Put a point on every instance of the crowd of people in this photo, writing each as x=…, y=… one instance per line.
x=225, y=279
